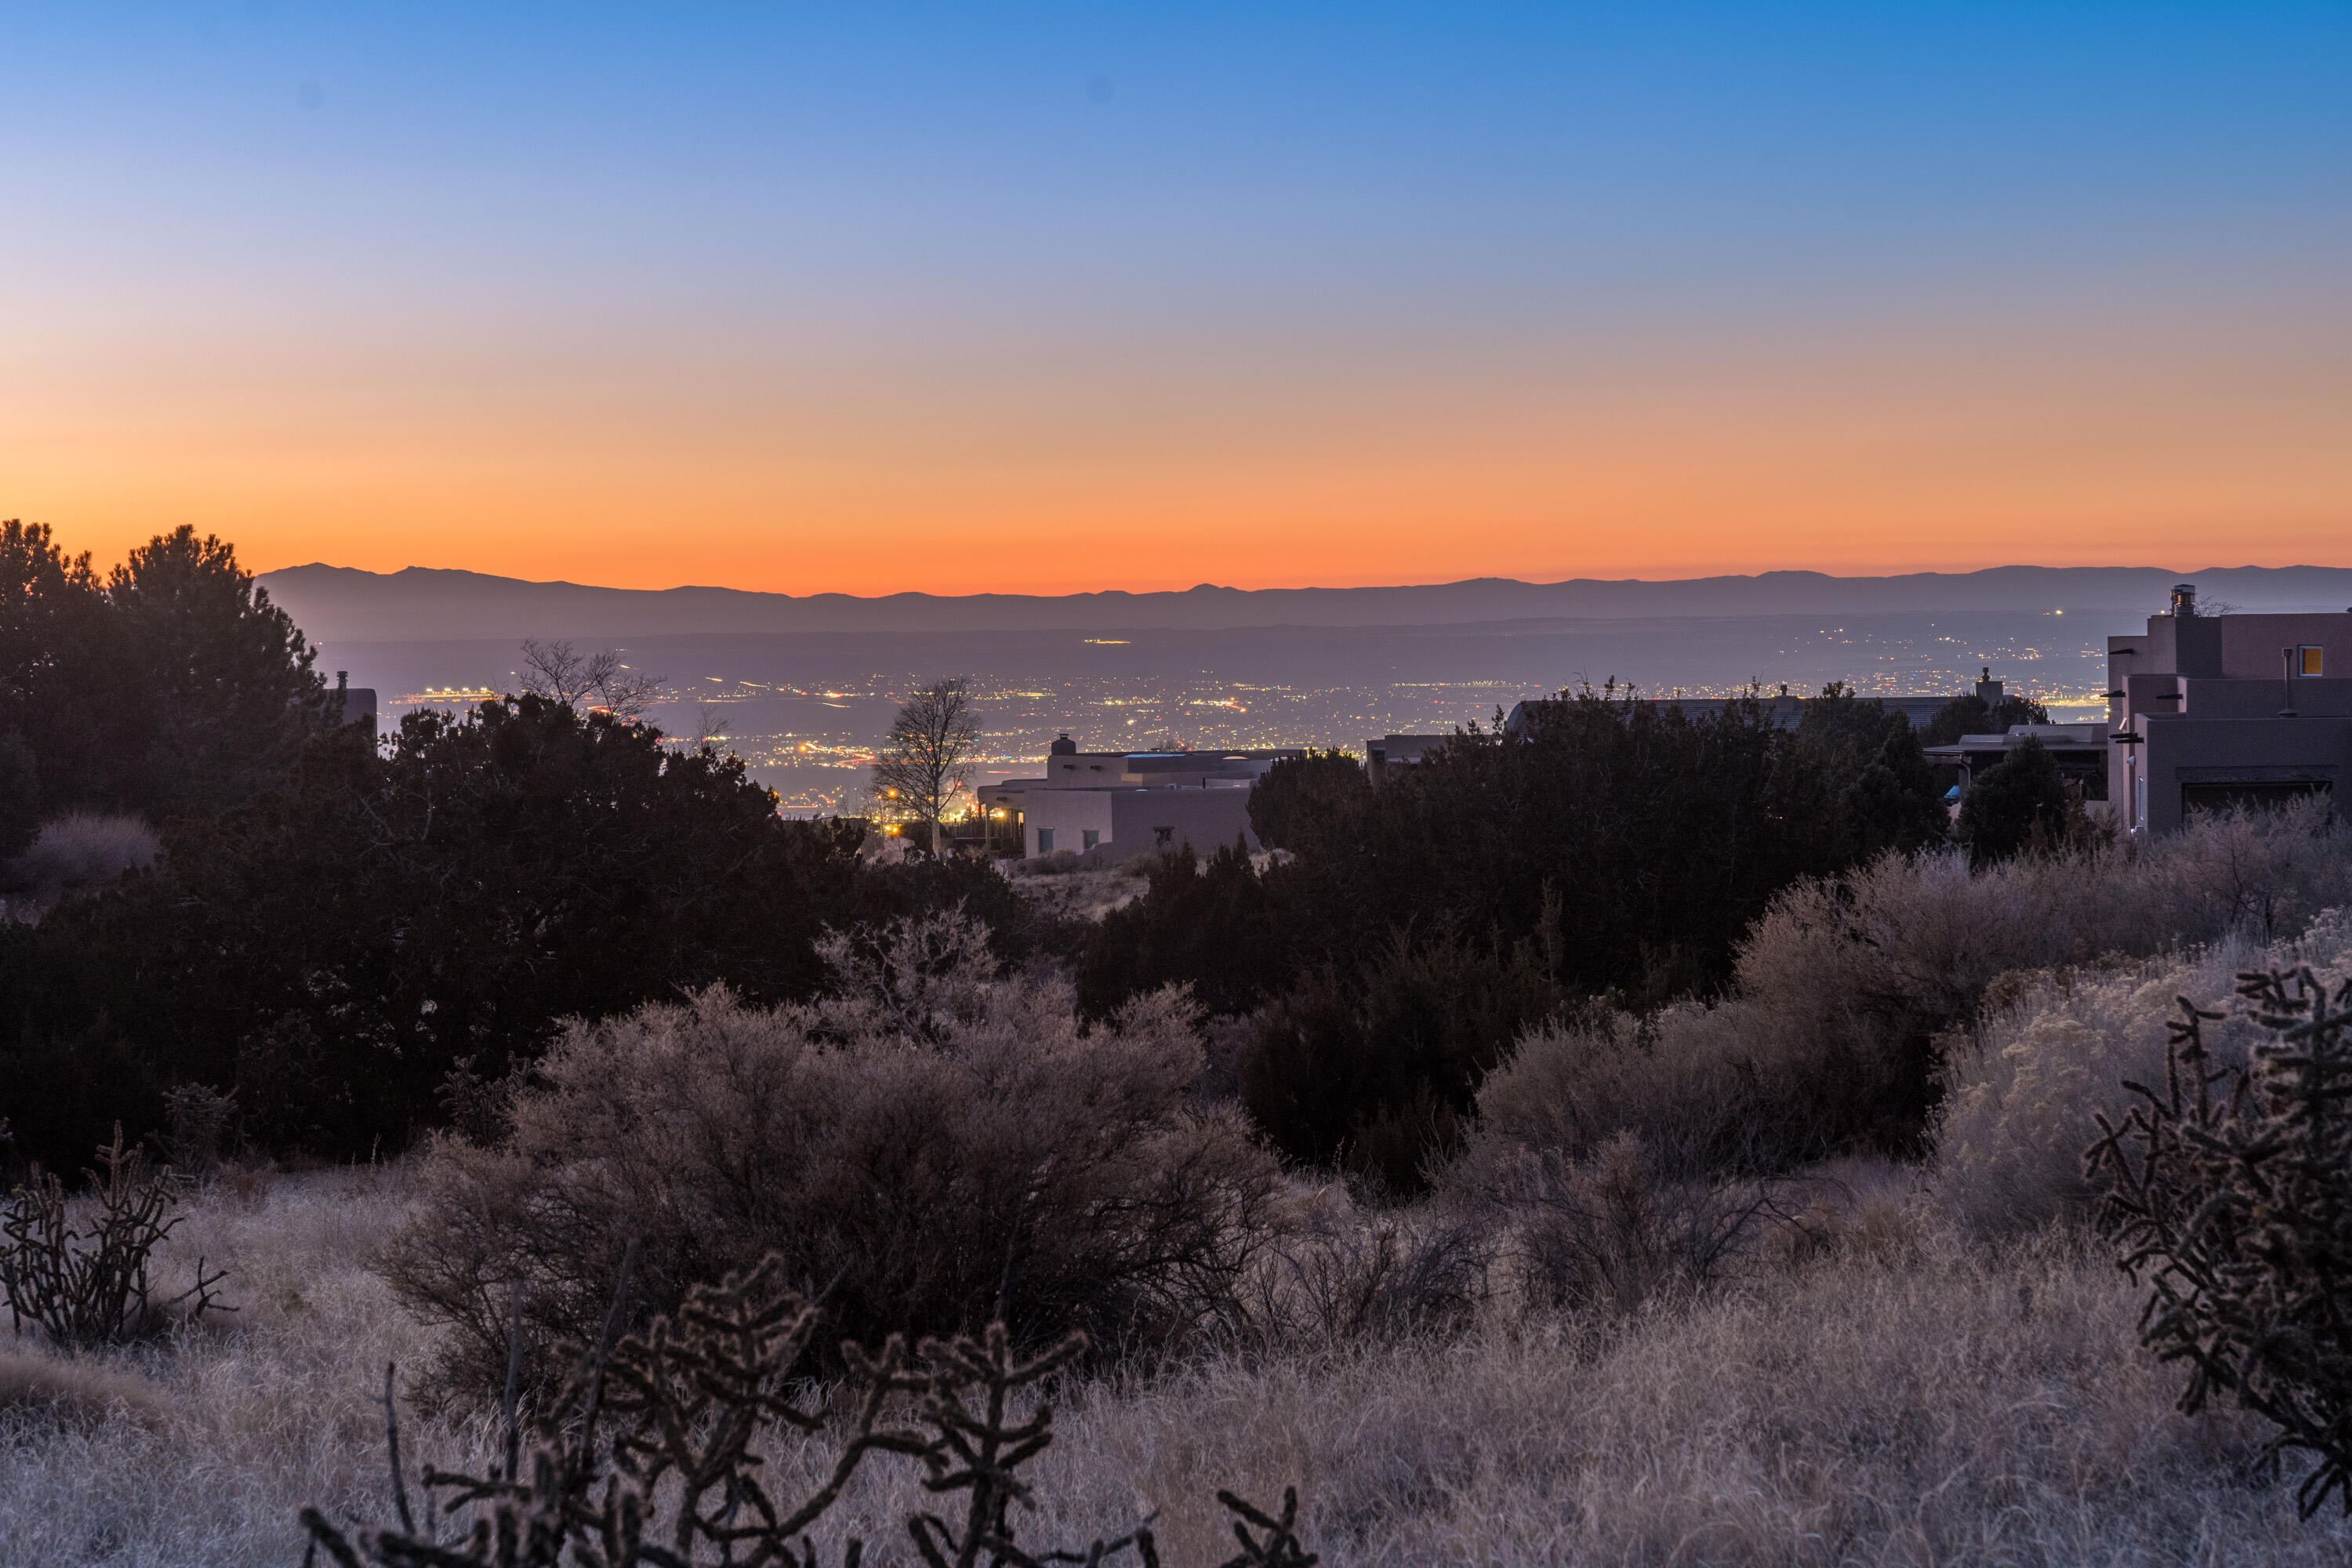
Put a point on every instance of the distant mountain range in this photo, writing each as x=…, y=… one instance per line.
x=342, y=604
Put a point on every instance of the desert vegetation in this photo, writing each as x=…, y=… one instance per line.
x=1645, y=1138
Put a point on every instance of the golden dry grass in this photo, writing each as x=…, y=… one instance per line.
x=1899, y=1396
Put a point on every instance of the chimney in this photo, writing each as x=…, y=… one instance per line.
x=1989, y=690
x=1064, y=746
x=2184, y=600
x=342, y=680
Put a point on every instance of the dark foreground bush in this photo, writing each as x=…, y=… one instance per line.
x=932, y=1148
x=2231, y=1193
x=331, y=952
x=1210, y=925
x=1373, y=1068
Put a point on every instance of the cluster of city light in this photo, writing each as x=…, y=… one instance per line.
x=436, y=696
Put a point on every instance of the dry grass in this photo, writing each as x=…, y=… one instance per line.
x=74, y=853
x=1892, y=1395
x=1077, y=890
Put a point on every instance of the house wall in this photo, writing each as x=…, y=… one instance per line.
x=1127, y=820
x=1067, y=815
x=2228, y=669
x=2269, y=755
x=1208, y=819
x=2250, y=644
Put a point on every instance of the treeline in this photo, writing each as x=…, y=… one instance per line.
x=345, y=941
x=1611, y=857
x=342, y=936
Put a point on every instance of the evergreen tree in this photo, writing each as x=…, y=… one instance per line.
x=1969, y=715
x=1212, y=926
x=62, y=687
x=224, y=690
x=1298, y=795
x=20, y=795
x=2015, y=803
x=1894, y=803
x=332, y=950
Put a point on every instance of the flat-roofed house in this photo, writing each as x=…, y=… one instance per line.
x=1114, y=804
x=2212, y=711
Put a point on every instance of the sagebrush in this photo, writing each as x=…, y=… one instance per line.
x=934, y=1147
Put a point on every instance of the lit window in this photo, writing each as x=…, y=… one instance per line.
x=2314, y=662
x=1044, y=841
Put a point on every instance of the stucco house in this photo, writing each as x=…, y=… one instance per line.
x=2219, y=709
x=1114, y=804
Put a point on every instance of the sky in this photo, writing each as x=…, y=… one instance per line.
x=1038, y=298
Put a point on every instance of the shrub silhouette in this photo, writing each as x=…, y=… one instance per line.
x=1298, y=795
x=2231, y=1191
x=934, y=1147
x=2020, y=801
x=1374, y=1068
x=1213, y=925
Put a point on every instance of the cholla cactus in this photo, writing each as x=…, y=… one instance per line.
x=87, y=1284
x=2232, y=1192
x=688, y=1399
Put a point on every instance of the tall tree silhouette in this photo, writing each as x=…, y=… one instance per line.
x=927, y=754
x=224, y=688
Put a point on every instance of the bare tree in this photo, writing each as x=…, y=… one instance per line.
x=928, y=752
x=562, y=673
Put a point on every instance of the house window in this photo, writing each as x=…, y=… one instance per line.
x=2313, y=661
x=1163, y=836
x=1088, y=837
x=1044, y=841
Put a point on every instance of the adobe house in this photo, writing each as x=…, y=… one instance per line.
x=1114, y=804
x=2215, y=710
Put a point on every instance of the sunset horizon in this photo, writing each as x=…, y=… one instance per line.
x=1035, y=300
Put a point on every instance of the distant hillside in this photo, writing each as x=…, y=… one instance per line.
x=341, y=603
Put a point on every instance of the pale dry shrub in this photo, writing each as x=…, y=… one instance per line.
x=2025, y=1087
x=1614, y=1231
x=74, y=853
x=1831, y=1038
x=1904, y=947
x=934, y=1147
x=1345, y=1272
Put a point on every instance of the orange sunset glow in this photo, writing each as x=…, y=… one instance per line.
x=926, y=321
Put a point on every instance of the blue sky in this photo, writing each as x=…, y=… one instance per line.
x=1112, y=244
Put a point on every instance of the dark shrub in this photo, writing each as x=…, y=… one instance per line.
x=20, y=798
x=1373, y=1068
x=2017, y=802
x=1212, y=926
x=1659, y=837
x=1298, y=795
x=331, y=952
